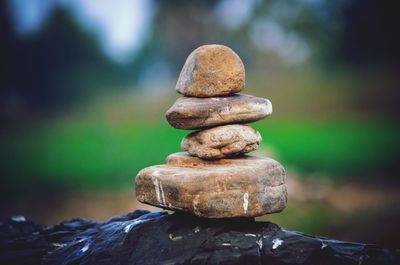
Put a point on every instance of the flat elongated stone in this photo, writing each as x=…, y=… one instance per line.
x=241, y=187
x=211, y=70
x=196, y=113
x=184, y=159
x=221, y=141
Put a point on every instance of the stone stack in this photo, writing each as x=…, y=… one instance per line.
x=215, y=178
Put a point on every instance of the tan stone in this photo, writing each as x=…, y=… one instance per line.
x=196, y=113
x=242, y=187
x=221, y=141
x=184, y=159
x=211, y=70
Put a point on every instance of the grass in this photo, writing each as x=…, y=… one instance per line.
x=335, y=147
x=86, y=153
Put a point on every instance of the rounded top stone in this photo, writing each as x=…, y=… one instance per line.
x=211, y=70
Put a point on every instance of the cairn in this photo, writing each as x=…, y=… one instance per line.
x=215, y=178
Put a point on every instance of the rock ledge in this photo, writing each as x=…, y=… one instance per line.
x=142, y=237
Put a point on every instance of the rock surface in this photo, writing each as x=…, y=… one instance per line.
x=183, y=159
x=196, y=113
x=144, y=238
x=242, y=187
x=211, y=70
x=221, y=141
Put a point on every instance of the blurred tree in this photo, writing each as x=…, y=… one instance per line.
x=54, y=68
x=370, y=33
x=62, y=64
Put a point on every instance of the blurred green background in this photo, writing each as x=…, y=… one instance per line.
x=85, y=85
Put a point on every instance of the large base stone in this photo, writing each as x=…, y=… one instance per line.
x=195, y=113
x=241, y=187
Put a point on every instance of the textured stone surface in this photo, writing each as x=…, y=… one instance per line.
x=183, y=159
x=196, y=113
x=211, y=70
x=221, y=141
x=142, y=237
x=243, y=187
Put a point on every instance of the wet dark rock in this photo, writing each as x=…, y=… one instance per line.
x=142, y=237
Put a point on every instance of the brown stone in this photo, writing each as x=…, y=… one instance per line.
x=221, y=141
x=242, y=187
x=211, y=70
x=196, y=113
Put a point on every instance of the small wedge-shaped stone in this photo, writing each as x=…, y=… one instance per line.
x=195, y=113
x=211, y=70
x=221, y=141
x=241, y=187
